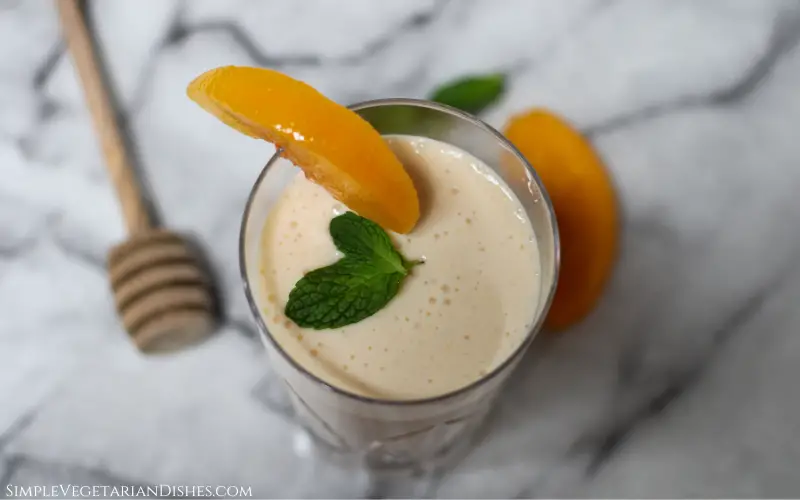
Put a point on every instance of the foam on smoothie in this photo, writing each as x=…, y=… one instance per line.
x=457, y=317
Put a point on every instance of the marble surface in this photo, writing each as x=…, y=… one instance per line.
x=683, y=383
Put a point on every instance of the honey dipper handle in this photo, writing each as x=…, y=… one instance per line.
x=98, y=100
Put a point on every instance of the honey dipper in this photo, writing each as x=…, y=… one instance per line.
x=162, y=291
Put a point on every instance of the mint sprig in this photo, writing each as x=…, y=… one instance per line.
x=356, y=286
x=472, y=93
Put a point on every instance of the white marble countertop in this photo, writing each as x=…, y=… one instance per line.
x=683, y=383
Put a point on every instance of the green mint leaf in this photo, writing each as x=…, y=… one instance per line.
x=356, y=286
x=341, y=294
x=360, y=238
x=472, y=94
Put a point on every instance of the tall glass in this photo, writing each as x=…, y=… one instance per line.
x=386, y=433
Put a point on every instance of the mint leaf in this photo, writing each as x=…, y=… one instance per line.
x=472, y=94
x=360, y=238
x=356, y=286
x=341, y=294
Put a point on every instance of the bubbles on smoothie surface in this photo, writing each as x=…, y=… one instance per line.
x=433, y=337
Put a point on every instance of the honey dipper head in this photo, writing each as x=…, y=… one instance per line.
x=163, y=292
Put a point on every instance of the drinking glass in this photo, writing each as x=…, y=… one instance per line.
x=406, y=433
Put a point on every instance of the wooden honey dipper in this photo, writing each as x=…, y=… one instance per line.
x=162, y=292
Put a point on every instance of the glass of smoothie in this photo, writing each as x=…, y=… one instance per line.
x=409, y=385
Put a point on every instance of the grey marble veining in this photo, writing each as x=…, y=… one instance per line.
x=682, y=383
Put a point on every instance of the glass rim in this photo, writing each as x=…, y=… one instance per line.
x=536, y=325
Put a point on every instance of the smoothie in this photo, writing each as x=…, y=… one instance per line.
x=457, y=316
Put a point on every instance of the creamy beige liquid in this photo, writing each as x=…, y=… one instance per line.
x=456, y=317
